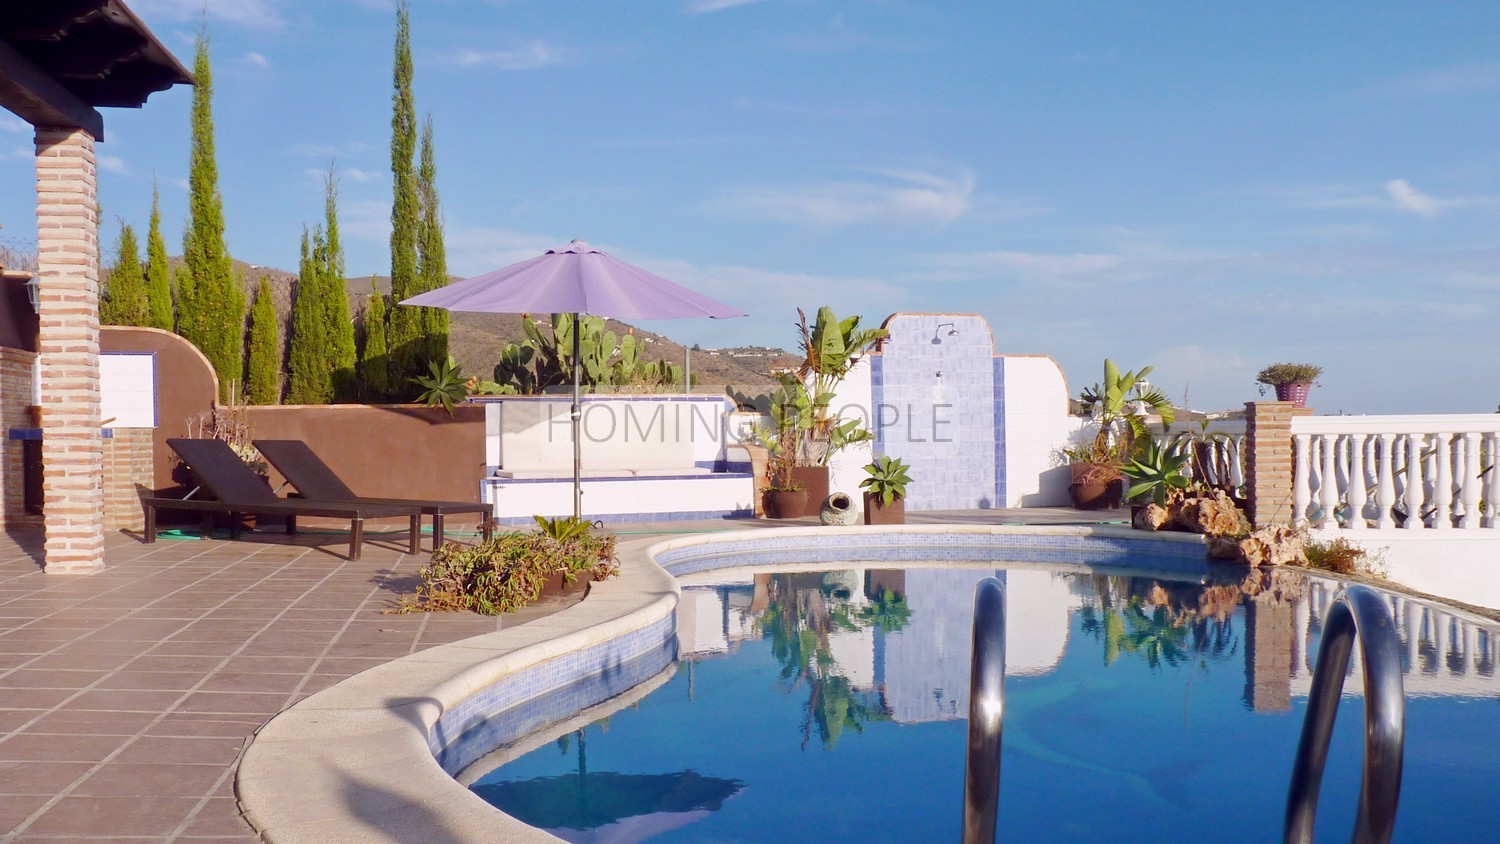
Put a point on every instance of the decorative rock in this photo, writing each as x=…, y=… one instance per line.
x=1150, y=517
x=1214, y=515
x=1275, y=545
x=838, y=509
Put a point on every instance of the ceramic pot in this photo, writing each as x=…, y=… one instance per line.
x=1097, y=495
x=838, y=509
x=785, y=504
x=877, y=513
x=1294, y=393
x=814, y=479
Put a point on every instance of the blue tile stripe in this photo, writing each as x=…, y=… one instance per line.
x=549, y=692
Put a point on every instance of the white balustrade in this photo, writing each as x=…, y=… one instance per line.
x=1440, y=470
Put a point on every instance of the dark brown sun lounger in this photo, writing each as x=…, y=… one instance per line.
x=304, y=470
x=239, y=491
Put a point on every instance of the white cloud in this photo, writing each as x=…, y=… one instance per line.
x=703, y=7
x=344, y=174
x=906, y=196
x=1395, y=195
x=256, y=14
x=179, y=183
x=112, y=164
x=14, y=125
x=537, y=54
x=256, y=60
x=1457, y=80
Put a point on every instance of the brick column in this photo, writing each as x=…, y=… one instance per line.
x=16, y=368
x=67, y=263
x=1270, y=645
x=1268, y=436
x=128, y=469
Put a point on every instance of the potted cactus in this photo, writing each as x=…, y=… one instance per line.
x=1292, y=381
x=885, y=491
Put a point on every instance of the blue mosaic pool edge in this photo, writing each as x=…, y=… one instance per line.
x=550, y=691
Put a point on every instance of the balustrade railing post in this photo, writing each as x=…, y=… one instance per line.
x=1301, y=480
x=1469, y=487
x=1442, y=482
x=1414, y=496
x=1328, y=483
x=1385, y=489
x=1358, y=492
x=1492, y=519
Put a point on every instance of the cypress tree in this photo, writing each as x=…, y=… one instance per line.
x=404, y=324
x=125, y=299
x=374, y=364
x=158, y=273
x=432, y=256
x=307, y=361
x=335, y=294
x=213, y=312
x=263, y=369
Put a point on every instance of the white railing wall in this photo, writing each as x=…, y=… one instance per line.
x=1223, y=449
x=1406, y=472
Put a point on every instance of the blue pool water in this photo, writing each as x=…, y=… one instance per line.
x=830, y=707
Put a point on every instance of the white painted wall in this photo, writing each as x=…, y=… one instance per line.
x=532, y=436
x=1458, y=565
x=1036, y=425
x=705, y=493
x=127, y=390
x=853, y=398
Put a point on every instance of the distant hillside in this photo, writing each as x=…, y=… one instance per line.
x=476, y=339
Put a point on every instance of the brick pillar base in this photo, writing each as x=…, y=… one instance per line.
x=16, y=396
x=129, y=463
x=67, y=264
x=1269, y=466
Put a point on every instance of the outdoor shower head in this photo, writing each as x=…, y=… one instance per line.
x=952, y=332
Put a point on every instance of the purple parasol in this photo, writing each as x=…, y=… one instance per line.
x=576, y=279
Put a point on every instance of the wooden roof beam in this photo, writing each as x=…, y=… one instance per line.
x=37, y=98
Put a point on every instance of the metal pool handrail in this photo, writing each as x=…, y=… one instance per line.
x=986, y=713
x=1358, y=612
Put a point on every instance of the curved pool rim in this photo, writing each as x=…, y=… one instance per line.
x=358, y=761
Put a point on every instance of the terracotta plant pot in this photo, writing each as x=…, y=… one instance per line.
x=877, y=513
x=1294, y=393
x=1097, y=495
x=785, y=504
x=814, y=480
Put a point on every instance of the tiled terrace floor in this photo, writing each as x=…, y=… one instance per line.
x=127, y=696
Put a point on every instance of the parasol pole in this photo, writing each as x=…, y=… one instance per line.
x=577, y=416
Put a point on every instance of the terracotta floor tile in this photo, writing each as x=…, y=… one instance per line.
x=69, y=721
x=88, y=815
x=195, y=725
x=187, y=751
x=35, y=678
x=250, y=682
x=39, y=777
x=160, y=681
x=234, y=703
x=16, y=808
x=126, y=700
x=220, y=816
x=39, y=747
x=151, y=779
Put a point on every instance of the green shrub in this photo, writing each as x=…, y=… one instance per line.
x=508, y=572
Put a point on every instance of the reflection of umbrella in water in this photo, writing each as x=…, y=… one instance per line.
x=608, y=806
x=588, y=807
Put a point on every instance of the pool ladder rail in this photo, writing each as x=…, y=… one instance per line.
x=1358, y=614
x=986, y=713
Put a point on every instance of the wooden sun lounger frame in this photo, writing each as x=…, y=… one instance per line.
x=315, y=481
x=240, y=492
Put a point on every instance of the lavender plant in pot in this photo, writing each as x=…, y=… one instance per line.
x=1292, y=381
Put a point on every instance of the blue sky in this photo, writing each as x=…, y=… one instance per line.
x=1205, y=190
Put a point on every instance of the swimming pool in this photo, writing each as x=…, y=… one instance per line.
x=828, y=705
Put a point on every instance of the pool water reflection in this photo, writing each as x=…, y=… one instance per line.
x=830, y=706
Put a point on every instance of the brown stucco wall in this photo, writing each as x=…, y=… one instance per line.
x=185, y=387
x=389, y=451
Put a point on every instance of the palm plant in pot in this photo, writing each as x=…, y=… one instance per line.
x=885, y=491
x=1119, y=405
x=784, y=496
x=1291, y=381
x=830, y=348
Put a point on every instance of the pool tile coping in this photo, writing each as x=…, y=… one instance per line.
x=355, y=763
